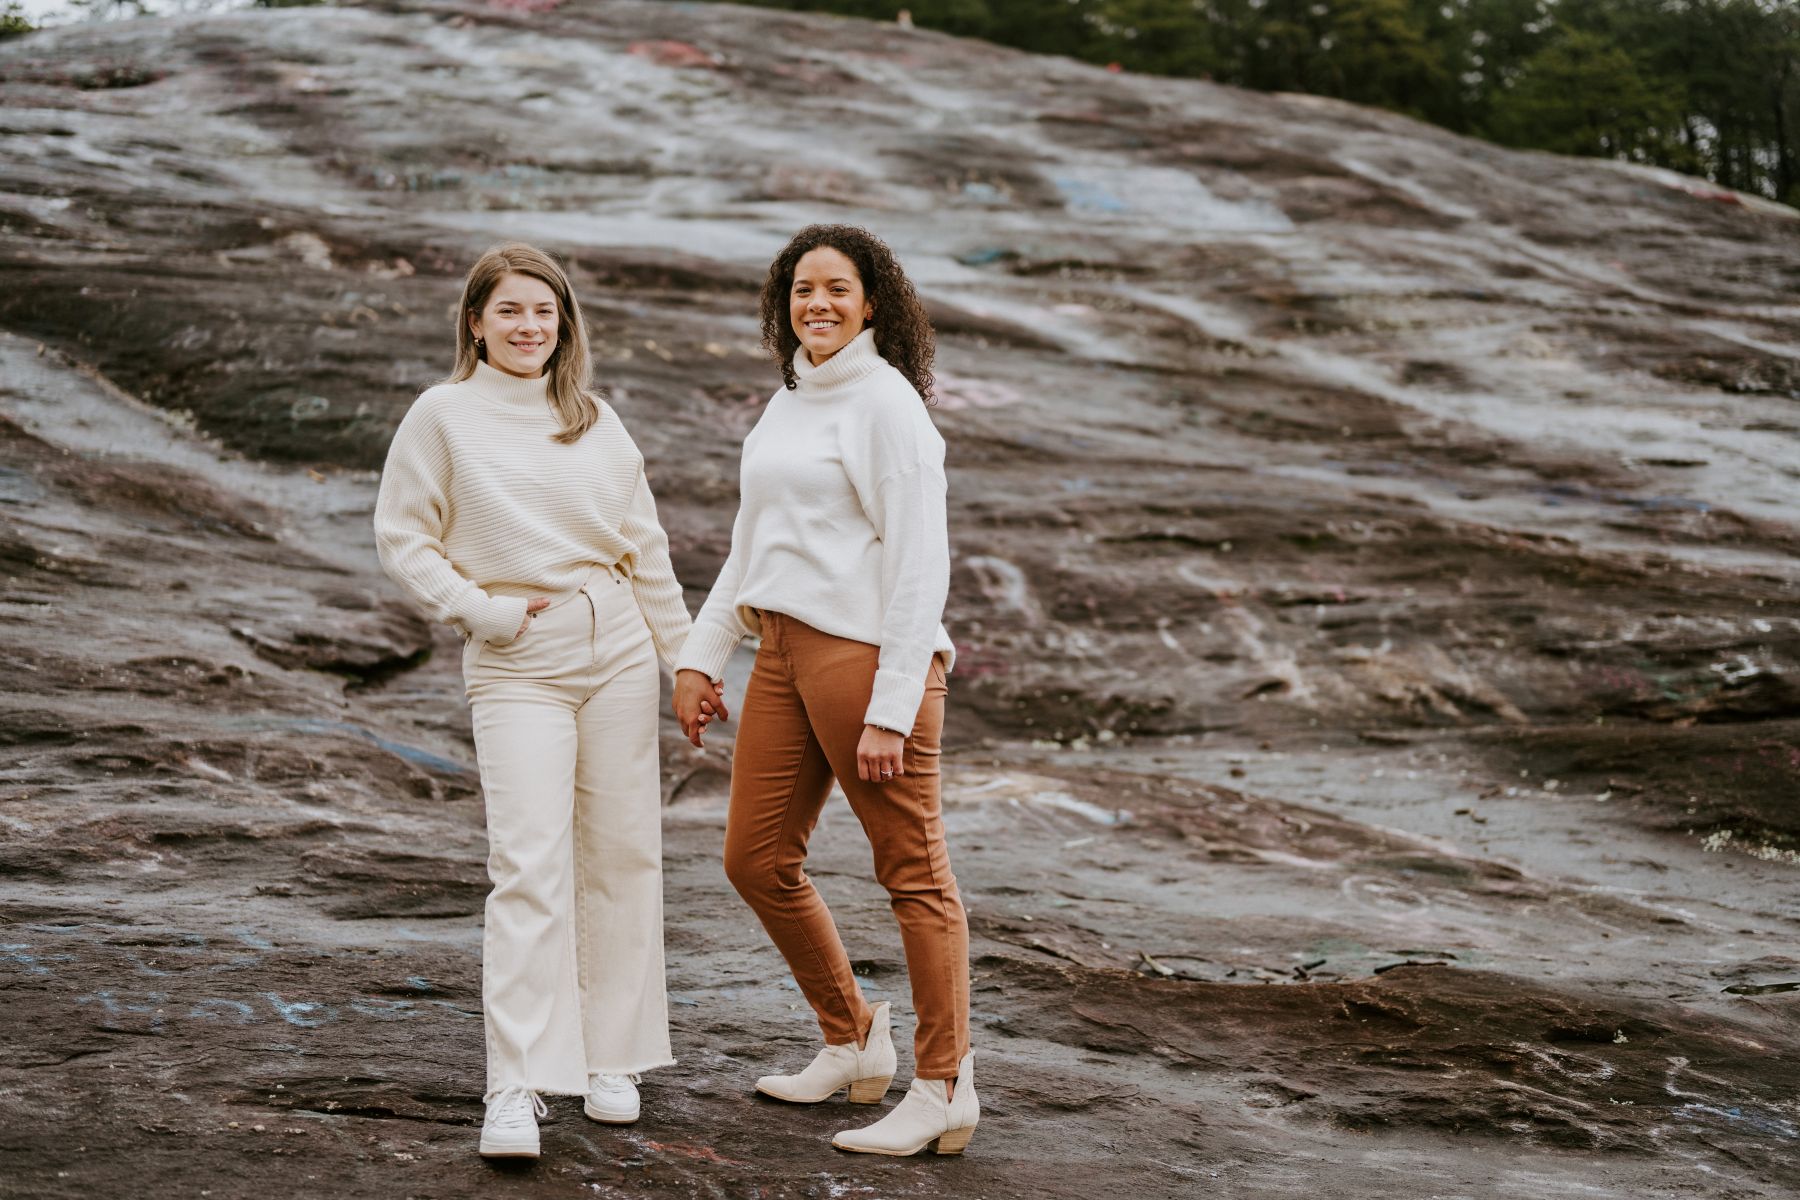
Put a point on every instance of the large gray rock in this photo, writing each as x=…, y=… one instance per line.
x=1374, y=581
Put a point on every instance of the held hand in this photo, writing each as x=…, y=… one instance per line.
x=879, y=755
x=533, y=607
x=698, y=702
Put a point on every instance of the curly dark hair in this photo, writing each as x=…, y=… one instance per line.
x=903, y=333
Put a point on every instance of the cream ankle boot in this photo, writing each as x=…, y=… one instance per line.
x=923, y=1118
x=867, y=1071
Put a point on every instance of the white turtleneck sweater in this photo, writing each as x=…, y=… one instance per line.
x=841, y=524
x=479, y=510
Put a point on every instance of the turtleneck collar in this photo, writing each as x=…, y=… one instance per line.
x=496, y=385
x=855, y=361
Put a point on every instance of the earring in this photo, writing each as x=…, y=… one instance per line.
x=481, y=343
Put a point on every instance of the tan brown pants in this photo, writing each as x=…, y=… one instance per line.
x=800, y=723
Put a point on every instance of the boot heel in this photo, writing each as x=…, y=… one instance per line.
x=871, y=1090
x=953, y=1141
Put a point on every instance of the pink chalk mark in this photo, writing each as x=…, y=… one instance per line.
x=703, y=1153
x=956, y=392
x=668, y=53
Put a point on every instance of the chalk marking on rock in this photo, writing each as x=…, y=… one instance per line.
x=1559, y=1063
x=1757, y=1121
x=1295, y=860
x=1272, y=657
x=19, y=952
x=202, y=1010
x=116, y=1009
x=1004, y=584
x=301, y=1012
x=1093, y=812
x=1383, y=895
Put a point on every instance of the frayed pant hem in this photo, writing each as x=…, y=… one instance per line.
x=660, y=1063
x=553, y=1091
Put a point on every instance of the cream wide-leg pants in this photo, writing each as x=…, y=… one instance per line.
x=572, y=950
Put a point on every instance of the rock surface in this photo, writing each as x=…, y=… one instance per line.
x=1375, y=743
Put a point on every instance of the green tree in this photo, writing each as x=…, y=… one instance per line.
x=1710, y=87
x=1156, y=36
x=1373, y=52
x=1483, y=44
x=1583, y=95
x=13, y=21
x=1783, y=101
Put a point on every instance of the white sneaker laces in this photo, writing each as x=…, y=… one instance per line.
x=612, y=1083
x=514, y=1108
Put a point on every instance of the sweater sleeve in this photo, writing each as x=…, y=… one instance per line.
x=718, y=629
x=412, y=509
x=653, y=582
x=899, y=478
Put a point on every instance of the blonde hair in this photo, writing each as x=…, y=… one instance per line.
x=570, y=369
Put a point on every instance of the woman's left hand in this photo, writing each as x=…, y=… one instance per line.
x=698, y=700
x=879, y=755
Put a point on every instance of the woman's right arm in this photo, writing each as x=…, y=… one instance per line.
x=411, y=511
x=718, y=629
x=715, y=634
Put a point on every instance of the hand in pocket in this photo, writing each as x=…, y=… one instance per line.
x=533, y=607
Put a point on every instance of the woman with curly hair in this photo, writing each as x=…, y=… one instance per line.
x=840, y=563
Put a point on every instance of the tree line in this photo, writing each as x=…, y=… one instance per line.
x=1706, y=87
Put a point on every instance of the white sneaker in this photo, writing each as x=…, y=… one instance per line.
x=612, y=1099
x=510, y=1130
x=866, y=1071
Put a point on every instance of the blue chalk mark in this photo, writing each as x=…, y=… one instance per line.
x=116, y=1009
x=1665, y=503
x=981, y=258
x=461, y=1012
x=251, y=940
x=1555, y=494
x=385, y=1010
x=216, y=1008
x=1756, y=1122
x=407, y=934
x=305, y=1013
x=418, y=983
x=411, y=754
x=1083, y=196
x=19, y=952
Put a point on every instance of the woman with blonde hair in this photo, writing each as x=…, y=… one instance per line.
x=840, y=562
x=514, y=507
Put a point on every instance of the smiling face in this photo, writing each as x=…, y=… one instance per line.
x=519, y=324
x=826, y=302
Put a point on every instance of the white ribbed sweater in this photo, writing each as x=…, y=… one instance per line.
x=480, y=509
x=841, y=524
